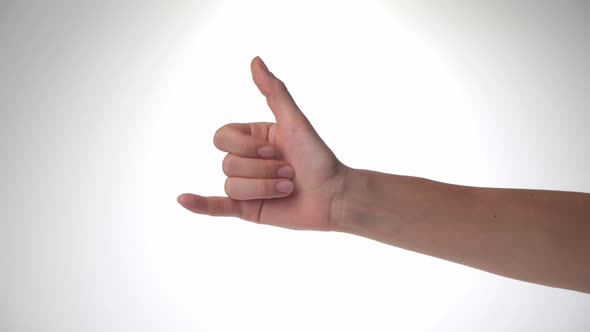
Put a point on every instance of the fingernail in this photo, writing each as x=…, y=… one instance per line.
x=266, y=151
x=268, y=72
x=286, y=172
x=284, y=186
x=264, y=65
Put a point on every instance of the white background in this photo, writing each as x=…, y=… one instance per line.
x=107, y=113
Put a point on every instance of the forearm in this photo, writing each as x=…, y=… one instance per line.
x=538, y=236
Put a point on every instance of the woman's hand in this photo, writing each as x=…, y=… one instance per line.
x=280, y=173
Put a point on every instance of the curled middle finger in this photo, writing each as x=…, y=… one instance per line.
x=237, y=166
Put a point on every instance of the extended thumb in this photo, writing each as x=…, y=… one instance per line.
x=278, y=98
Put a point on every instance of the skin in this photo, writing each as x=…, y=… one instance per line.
x=538, y=236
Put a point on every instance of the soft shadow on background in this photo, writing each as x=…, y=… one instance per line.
x=107, y=113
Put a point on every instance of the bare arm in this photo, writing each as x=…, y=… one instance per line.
x=538, y=236
x=284, y=174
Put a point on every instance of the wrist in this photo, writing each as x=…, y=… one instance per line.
x=352, y=203
x=380, y=205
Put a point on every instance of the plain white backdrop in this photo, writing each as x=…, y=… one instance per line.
x=107, y=113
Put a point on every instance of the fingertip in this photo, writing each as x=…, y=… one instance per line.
x=193, y=203
x=254, y=60
x=182, y=199
x=187, y=199
x=261, y=76
x=262, y=64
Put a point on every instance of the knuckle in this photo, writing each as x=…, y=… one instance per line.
x=279, y=82
x=266, y=188
x=281, y=85
x=215, y=205
x=263, y=170
x=244, y=147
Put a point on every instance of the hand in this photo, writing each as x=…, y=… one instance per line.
x=300, y=195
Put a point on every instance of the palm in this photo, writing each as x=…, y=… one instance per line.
x=318, y=175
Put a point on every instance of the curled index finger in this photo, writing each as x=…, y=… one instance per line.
x=238, y=139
